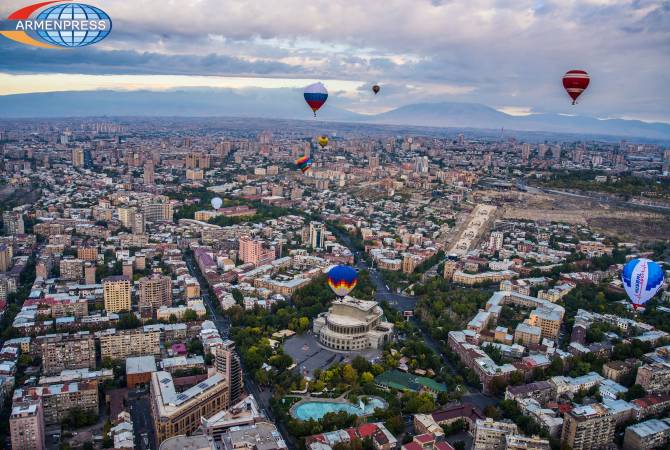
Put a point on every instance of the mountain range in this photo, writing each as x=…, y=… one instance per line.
x=287, y=104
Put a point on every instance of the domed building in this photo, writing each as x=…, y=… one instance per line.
x=351, y=324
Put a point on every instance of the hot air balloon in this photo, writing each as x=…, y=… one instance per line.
x=304, y=163
x=375, y=89
x=217, y=202
x=342, y=280
x=315, y=96
x=642, y=278
x=575, y=82
x=323, y=141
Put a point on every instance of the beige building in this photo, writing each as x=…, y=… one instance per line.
x=87, y=253
x=521, y=442
x=116, y=291
x=60, y=352
x=194, y=174
x=176, y=413
x=155, y=291
x=227, y=363
x=26, y=425
x=352, y=324
x=471, y=279
x=125, y=343
x=525, y=334
x=59, y=400
x=588, y=427
x=5, y=257
x=490, y=434
x=548, y=320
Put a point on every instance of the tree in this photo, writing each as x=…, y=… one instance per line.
x=635, y=391
x=190, y=316
x=349, y=374
x=367, y=377
x=237, y=295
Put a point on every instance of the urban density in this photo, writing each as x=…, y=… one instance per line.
x=169, y=289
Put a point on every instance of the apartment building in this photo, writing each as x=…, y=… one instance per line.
x=26, y=425
x=491, y=434
x=254, y=251
x=176, y=413
x=87, y=253
x=646, y=435
x=124, y=343
x=588, y=427
x=71, y=269
x=116, y=292
x=654, y=378
x=227, y=363
x=60, y=352
x=154, y=291
x=59, y=400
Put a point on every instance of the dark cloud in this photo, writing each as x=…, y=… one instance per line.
x=16, y=58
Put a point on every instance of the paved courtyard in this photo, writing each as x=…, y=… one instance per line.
x=309, y=355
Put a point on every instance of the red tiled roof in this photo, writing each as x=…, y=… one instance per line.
x=424, y=438
x=412, y=446
x=367, y=429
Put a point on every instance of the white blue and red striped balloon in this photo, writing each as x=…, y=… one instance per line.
x=315, y=96
x=642, y=278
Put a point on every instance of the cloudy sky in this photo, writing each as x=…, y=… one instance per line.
x=509, y=54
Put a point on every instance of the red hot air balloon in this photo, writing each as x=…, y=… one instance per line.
x=575, y=82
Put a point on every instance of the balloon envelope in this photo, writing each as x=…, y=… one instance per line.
x=642, y=278
x=304, y=163
x=375, y=88
x=342, y=280
x=216, y=203
x=323, y=141
x=315, y=96
x=575, y=82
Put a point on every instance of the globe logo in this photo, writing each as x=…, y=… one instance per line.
x=67, y=25
x=73, y=38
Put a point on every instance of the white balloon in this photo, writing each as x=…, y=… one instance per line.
x=217, y=202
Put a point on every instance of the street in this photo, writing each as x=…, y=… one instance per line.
x=140, y=411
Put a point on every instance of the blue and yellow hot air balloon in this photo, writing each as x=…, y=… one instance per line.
x=342, y=280
x=642, y=278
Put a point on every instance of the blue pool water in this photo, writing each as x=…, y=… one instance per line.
x=316, y=410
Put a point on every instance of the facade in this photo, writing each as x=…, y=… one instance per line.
x=59, y=400
x=520, y=442
x=5, y=257
x=125, y=343
x=13, y=222
x=647, y=435
x=60, y=352
x=87, y=253
x=253, y=251
x=588, y=427
x=155, y=291
x=148, y=176
x=26, y=425
x=352, y=324
x=175, y=413
x=139, y=370
x=490, y=434
x=227, y=363
x=654, y=378
x=525, y=334
x=71, y=269
x=316, y=235
x=116, y=291
x=471, y=279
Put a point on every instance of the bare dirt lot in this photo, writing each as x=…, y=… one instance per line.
x=626, y=223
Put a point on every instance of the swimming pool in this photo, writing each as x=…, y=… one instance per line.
x=316, y=410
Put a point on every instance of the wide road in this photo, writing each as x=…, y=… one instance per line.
x=261, y=394
x=140, y=413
